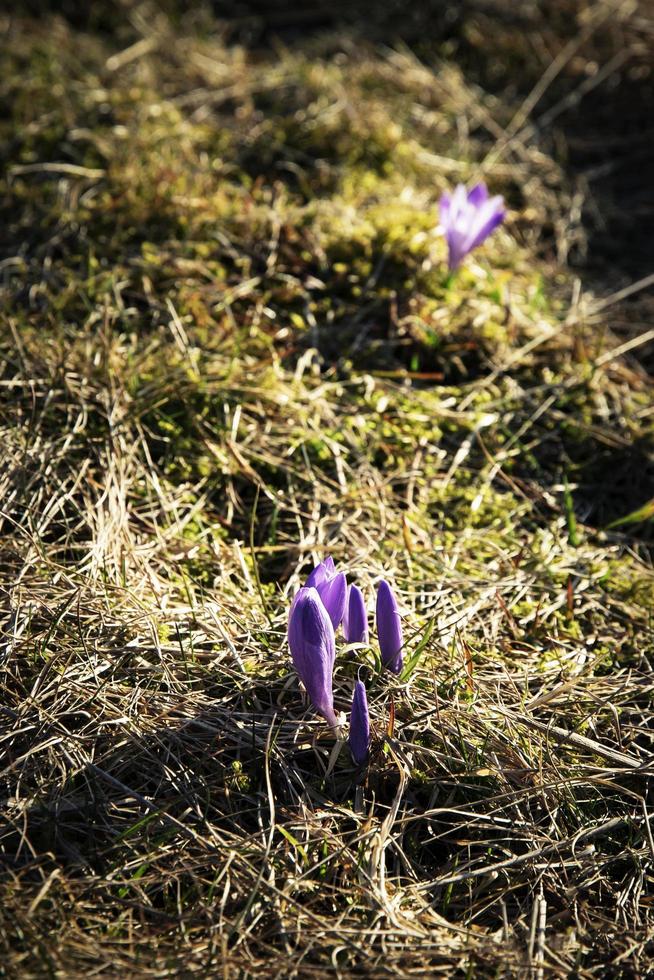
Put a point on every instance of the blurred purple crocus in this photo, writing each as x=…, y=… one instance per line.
x=332, y=589
x=359, y=737
x=355, y=618
x=313, y=650
x=468, y=218
x=389, y=629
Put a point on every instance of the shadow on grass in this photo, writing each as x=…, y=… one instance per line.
x=179, y=824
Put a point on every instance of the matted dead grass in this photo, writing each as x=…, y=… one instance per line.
x=229, y=349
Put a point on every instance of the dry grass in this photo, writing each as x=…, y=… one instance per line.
x=228, y=349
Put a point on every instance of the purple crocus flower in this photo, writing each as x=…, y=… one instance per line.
x=355, y=619
x=389, y=628
x=468, y=218
x=313, y=650
x=359, y=737
x=332, y=589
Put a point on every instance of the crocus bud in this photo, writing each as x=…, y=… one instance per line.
x=467, y=219
x=389, y=628
x=359, y=738
x=332, y=589
x=313, y=649
x=355, y=619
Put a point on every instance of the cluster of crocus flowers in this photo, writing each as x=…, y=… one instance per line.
x=322, y=605
x=467, y=219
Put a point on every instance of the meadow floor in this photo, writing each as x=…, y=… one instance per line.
x=229, y=347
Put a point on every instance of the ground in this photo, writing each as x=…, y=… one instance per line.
x=230, y=347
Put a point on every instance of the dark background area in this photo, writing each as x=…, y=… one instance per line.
x=602, y=127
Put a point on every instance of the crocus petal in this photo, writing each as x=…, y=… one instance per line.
x=458, y=226
x=459, y=200
x=355, y=619
x=489, y=216
x=477, y=195
x=333, y=593
x=444, y=207
x=317, y=576
x=332, y=588
x=313, y=650
x=389, y=628
x=359, y=737
x=456, y=250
